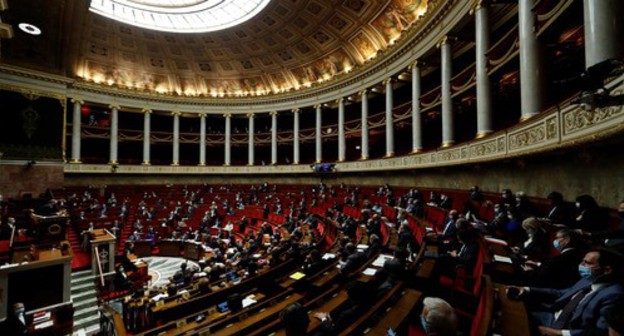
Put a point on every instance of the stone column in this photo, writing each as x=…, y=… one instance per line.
x=147, y=130
x=416, y=120
x=76, y=125
x=176, y=138
x=114, y=133
x=447, y=101
x=319, y=133
x=202, y=139
x=274, y=137
x=604, y=28
x=228, y=139
x=250, y=148
x=341, y=131
x=364, y=146
x=296, y=136
x=484, y=87
x=531, y=76
x=389, y=118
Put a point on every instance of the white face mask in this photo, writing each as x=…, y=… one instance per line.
x=578, y=205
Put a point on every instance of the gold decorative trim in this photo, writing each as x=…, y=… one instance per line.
x=113, y=163
x=175, y=164
x=74, y=161
x=417, y=150
x=482, y=134
x=146, y=163
x=527, y=117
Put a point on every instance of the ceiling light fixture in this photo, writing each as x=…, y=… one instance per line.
x=180, y=16
x=29, y=29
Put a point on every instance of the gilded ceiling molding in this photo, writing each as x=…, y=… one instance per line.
x=410, y=45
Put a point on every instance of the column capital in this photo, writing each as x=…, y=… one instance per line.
x=340, y=100
x=251, y=115
x=478, y=4
x=446, y=40
x=273, y=113
x=363, y=92
x=176, y=113
x=78, y=101
x=387, y=81
x=227, y=115
x=114, y=107
x=318, y=106
x=416, y=64
x=147, y=111
x=203, y=115
x=295, y=110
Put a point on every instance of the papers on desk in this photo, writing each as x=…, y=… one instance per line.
x=502, y=259
x=379, y=262
x=42, y=316
x=297, y=276
x=160, y=296
x=428, y=229
x=328, y=256
x=495, y=241
x=248, y=301
x=44, y=325
x=362, y=247
x=369, y=271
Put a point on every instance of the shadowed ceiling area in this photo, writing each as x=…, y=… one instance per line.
x=289, y=45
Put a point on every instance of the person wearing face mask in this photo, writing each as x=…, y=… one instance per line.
x=581, y=308
x=561, y=270
x=438, y=317
x=15, y=323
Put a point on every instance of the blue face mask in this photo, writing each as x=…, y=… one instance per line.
x=586, y=273
x=557, y=244
x=20, y=311
x=423, y=322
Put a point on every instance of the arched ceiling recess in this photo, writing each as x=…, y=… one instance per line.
x=294, y=53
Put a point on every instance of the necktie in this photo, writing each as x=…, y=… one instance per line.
x=568, y=310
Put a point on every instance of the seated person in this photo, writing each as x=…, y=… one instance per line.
x=360, y=299
x=438, y=317
x=354, y=259
x=536, y=246
x=581, y=308
x=295, y=319
x=560, y=271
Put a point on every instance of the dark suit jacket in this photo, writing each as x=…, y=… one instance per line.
x=539, y=246
x=354, y=261
x=590, y=313
x=560, y=271
x=467, y=257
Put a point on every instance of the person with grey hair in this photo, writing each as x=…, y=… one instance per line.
x=438, y=317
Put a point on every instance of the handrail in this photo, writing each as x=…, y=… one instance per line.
x=99, y=264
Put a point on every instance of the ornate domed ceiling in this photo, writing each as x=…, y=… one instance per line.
x=289, y=45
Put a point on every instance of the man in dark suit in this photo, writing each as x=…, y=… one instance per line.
x=581, y=308
x=15, y=323
x=560, y=271
x=354, y=260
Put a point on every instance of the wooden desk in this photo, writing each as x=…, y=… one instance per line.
x=244, y=327
x=514, y=319
x=398, y=313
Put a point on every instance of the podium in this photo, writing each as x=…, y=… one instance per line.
x=50, y=229
x=102, y=251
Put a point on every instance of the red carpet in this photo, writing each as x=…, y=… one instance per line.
x=82, y=260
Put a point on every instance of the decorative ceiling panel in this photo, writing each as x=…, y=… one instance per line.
x=290, y=45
